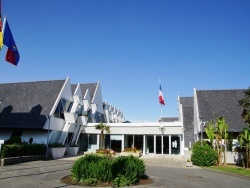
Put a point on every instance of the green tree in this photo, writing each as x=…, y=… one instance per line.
x=104, y=128
x=245, y=103
x=244, y=139
x=216, y=136
x=222, y=130
x=210, y=131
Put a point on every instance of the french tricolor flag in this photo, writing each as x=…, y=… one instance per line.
x=161, y=99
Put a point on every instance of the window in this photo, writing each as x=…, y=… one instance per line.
x=79, y=110
x=92, y=139
x=63, y=106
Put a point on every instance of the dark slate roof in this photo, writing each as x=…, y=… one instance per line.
x=223, y=103
x=188, y=118
x=26, y=104
x=168, y=119
x=84, y=87
x=187, y=101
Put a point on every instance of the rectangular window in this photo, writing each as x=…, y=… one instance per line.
x=92, y=139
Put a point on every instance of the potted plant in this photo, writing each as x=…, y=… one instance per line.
x=72, y=150
x=57, y=150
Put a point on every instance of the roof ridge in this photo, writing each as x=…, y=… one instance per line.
x=221, y=89
x=31, y=82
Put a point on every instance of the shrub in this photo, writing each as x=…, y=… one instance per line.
x=121, y=181
x=122, y=170
x=204, y=142
x=16, y=150
x=90, y=182
x=131, y=167
x=204, y=156
x=92, y=166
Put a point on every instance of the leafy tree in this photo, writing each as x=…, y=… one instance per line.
x=245, y=103
x=244, y=139
x=210, y=131
x=103, y=127
x=218, y=133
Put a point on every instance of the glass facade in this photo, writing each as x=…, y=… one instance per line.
x=154, y=144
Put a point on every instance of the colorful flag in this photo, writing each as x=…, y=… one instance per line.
x=1, y=26
x=12, y=54
x=161, y=99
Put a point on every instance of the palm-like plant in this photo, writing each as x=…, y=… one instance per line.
x=103, y=127
x=210, y=131
x=244, y=139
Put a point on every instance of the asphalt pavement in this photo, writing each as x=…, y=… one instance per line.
x=166, y=171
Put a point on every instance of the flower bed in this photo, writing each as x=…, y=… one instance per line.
x=131, y=151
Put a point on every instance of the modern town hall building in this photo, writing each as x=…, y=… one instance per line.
x=57, y=111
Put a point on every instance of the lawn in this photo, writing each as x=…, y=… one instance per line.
x=231, y=169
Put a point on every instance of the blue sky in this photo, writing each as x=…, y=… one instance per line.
x=128, y=45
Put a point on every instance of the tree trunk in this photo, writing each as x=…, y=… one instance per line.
x=101, y=140
x=225, y=151
x=247, y=152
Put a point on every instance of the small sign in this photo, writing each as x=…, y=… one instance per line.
x=1, y=141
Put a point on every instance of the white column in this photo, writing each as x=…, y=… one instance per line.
x=123, y=142
x=154, y=144
x=144, y=144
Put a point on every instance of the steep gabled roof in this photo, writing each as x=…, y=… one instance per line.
x=187, y=101
x=26, y=104
x=90, y=86
x=188, y=118
x=223, y=103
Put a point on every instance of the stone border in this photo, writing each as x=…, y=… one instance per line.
x=20, y=159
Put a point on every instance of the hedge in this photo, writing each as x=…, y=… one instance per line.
x=15, y=150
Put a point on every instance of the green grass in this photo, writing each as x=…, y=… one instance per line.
x=232, y=169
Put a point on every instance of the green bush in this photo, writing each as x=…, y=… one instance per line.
x=15, y=150
x=198, y=143
x=107, y=169
x=92, y=166
x=90, y=182
x=131, y=167
x=121, y=181
x=204, y=156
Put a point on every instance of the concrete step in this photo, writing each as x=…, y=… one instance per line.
x=163, y=160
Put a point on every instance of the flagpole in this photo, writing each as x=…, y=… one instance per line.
x=4, y=21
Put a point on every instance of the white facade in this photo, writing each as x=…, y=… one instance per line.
x=75, y=124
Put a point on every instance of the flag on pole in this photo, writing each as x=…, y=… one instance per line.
x=12, y=54
x=161, y=99
x=1, y=26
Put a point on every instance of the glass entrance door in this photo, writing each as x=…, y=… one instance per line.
x=175, y=145
x=150, y=143
x=158, y=145
x=165, y=144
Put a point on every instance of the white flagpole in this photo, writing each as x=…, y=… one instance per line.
x=161, y=104
x=3, y=27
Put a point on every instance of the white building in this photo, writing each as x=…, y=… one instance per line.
x=57, y=111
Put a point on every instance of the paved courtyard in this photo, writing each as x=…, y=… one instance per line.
x=165, y=171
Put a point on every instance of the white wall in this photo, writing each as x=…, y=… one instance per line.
x=97, y=99
x=39, y=137
x=173, y=128
x=5, y=134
